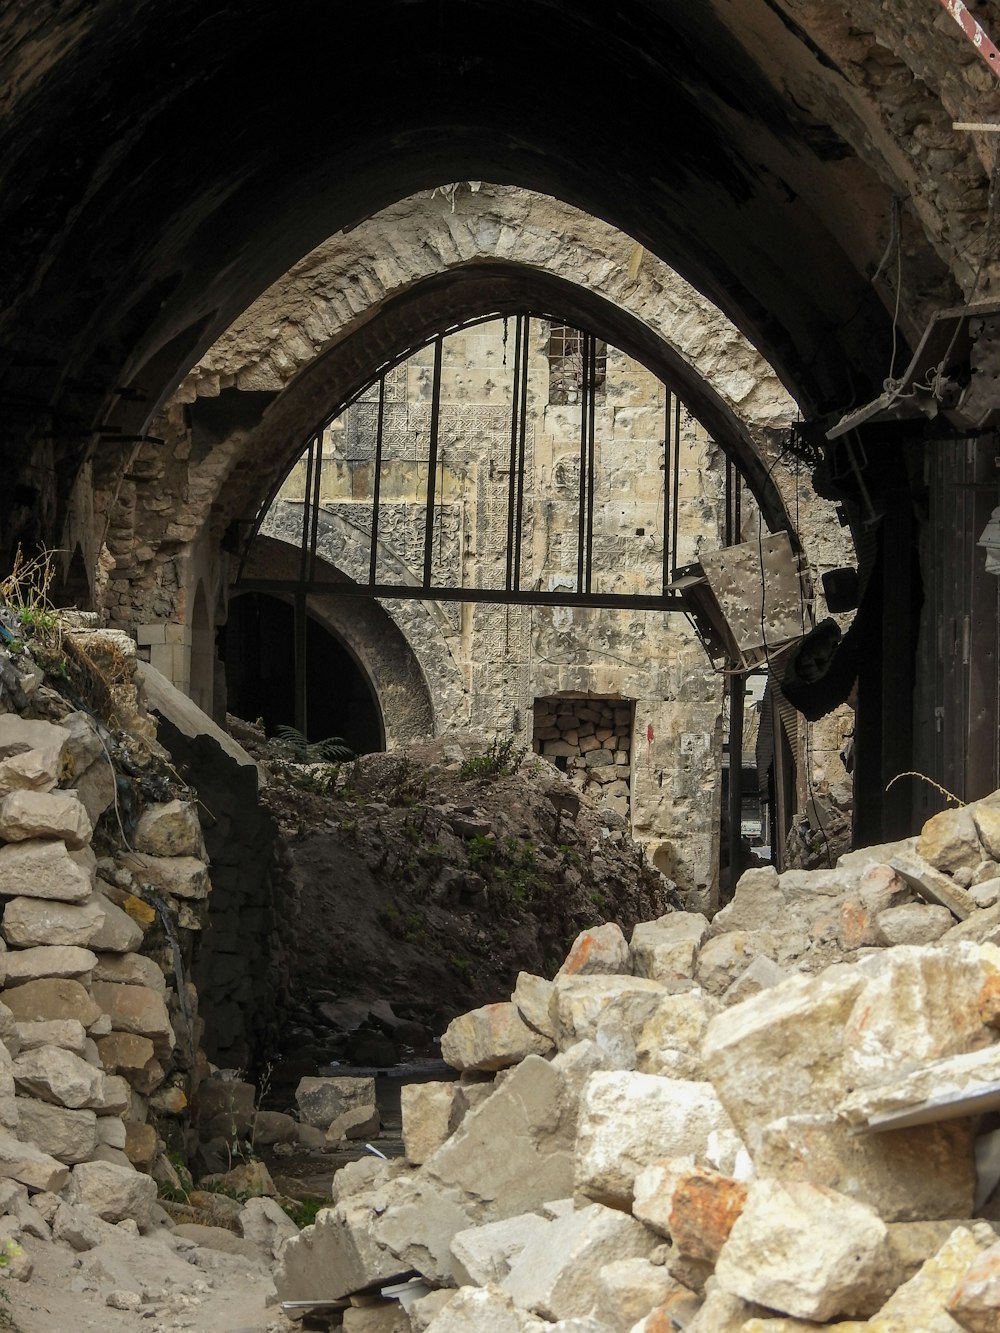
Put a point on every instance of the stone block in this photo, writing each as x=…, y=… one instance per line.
x=492, y=1037
x=43, y=869
x=921, y=1303
x=48, y=960
x=704, y=1207
x=117, y=933
x=920, y=1006
x=130, y=969
x=178, y=876
x=32, y=921
x=760, y=974
x=58, y=1076
x=418, y=1220
x=670, y=1040
x=338, y=1254
x=949, y=841
x=601, y=949
x=925, y=1094
x=80, y=1228
x=357, y=1122
x=611, y=1011
x=267, y=1225
x=52, y=999
x=124, y=1052
x=95, y=787
x=170, y=829
x=51, y=814
x=559, y=1280
x=29, y=1166
x=68, y=1033
x=69, y=1136
x=485, y=1254
x=322, y=1100
x=533, y=997
x=628, y=1120
x=430, y=1112
x=934, y=886
x=485, y=1308
x=514, y=1150
x=808, y=1252
x=43, y=741
x=975, y=1301
x=137, y=1009
x=665, y=950
x=913, y=923
x=628, y=1289
x=141, y=1144
x=781, y=1052
x=112, y=1192
x=986, y=817
x=270, y=1127
x=923, y=1172
x=724, y=958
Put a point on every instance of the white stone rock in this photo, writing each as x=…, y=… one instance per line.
x=485, y=1254
x=180, y=876
x=920, y=1006
x=559, y=1280
x=430, y=1112
x=949, y=841
x=69, y=1033
x=130, y=969
x=43, y=869
x=117, y=932
x=808, y=1252
x=52, y=814
x=58, y=1076
x=781, y=1052
x=80, y=1227
x=628, y=1120
x=610, y=1011
x=323, y=1100
x=628, y=1289
x=32, y=921
x=49, y=960
x=30, y=1166
x=492, y=1037
x=266, y=1223
x=600, y=950
x=338, y=1254
x=485, y=1309
x=533, y=997
x=69, y=1136
x=113, y=1192
x=170, y=829
x=913, y=923
x=665, y=950
x=31, y=753
x=670, y=1041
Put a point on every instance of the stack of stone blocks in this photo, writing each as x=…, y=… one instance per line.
x=86, y=1035
x=591, y=739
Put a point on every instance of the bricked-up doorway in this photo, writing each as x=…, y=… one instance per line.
x=590, y=739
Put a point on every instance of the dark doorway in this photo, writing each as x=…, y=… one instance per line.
x=257, y=645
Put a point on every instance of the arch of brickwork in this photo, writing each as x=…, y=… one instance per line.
x=317, y=334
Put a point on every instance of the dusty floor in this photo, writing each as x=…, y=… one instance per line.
x=196, y=1288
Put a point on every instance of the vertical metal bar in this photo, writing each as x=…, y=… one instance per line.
x=522, y=434
x=666, y=492
x=314, y=533
x=301, y=676
x=512, y=469
x=676, y=481
x=582, y=514
x=737, y=506
x=304, y=547
x=737, y=686
x=729, y=501
x=590, y=375
x=377, y=481
x=432, y=463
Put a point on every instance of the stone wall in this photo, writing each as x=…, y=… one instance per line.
x=590, y=740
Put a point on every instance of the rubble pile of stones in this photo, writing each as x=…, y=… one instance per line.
x=777, y=1120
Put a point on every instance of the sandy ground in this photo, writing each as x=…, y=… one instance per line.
x=172, y=1286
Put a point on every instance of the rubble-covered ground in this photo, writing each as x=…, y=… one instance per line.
x=427, y=880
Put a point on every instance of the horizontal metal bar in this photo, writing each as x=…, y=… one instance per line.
x=501, y=596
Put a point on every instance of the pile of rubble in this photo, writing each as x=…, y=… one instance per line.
x=775, y=1121
x=590, y=739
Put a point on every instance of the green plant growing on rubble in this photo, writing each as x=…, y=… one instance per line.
x=501, y=760
x=291, y=744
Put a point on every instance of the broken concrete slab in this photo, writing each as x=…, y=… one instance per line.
x=934, y=886
x=485, y=1254
x=338, y=1254
x=961, y=1085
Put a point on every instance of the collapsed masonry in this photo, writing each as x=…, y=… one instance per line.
x=759, y=1124
x=590, y=739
